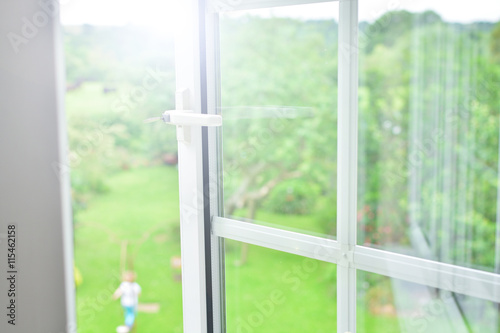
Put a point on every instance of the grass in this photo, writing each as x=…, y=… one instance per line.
x=272, y=292
x=89, y=99
x=279, y=292
x=141, y=203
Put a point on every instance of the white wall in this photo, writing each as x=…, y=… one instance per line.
x=32, y=194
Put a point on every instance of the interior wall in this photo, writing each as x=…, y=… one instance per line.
x=34, y=189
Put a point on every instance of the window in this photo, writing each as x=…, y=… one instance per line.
x=388, y=117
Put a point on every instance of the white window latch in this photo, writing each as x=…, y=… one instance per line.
x=188, y=118
x=185, y=119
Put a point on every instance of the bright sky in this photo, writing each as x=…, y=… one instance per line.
x=162, y=13
x=156, y=13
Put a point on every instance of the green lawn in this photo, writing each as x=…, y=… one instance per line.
x=279, y=292
x=142, y=205
x=89, y=100
x=272, y=292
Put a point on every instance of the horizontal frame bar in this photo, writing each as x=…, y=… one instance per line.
x=282, y=240
x=462, y=280
x=217, y=6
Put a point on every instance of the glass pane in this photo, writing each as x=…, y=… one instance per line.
x=272, y=291
x=392, y=306
x=279, y=102
x=429, y=102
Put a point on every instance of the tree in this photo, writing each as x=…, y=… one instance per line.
x=495, y=43
x=279, y=109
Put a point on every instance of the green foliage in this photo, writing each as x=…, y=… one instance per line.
x=114, y=55
x=495, y=43
x=325, y=213
x=276, y=128
x=117, y=77
x=428, y=97
x=294, y=196
x=428, y=103
x=104, y=140
x=389, y=28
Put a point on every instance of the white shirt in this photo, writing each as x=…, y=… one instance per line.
x=130, y=293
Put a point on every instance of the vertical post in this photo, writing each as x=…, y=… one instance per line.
x=191, y=189
x=347, y=163
x=496, y=319
x=215, y=186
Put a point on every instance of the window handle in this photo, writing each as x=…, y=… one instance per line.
x=184, y=118
x=187, y=118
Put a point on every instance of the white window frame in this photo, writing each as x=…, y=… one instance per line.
x=203, y=230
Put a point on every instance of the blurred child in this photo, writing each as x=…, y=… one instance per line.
x=129, y=292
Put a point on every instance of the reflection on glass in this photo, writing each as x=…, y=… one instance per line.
x=278, y=101
x=273, y=291
x=392, y=306
x=428, y=134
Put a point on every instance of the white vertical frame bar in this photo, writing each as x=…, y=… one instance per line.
x=215, y=171
x=347, y=163
x=192, y=206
